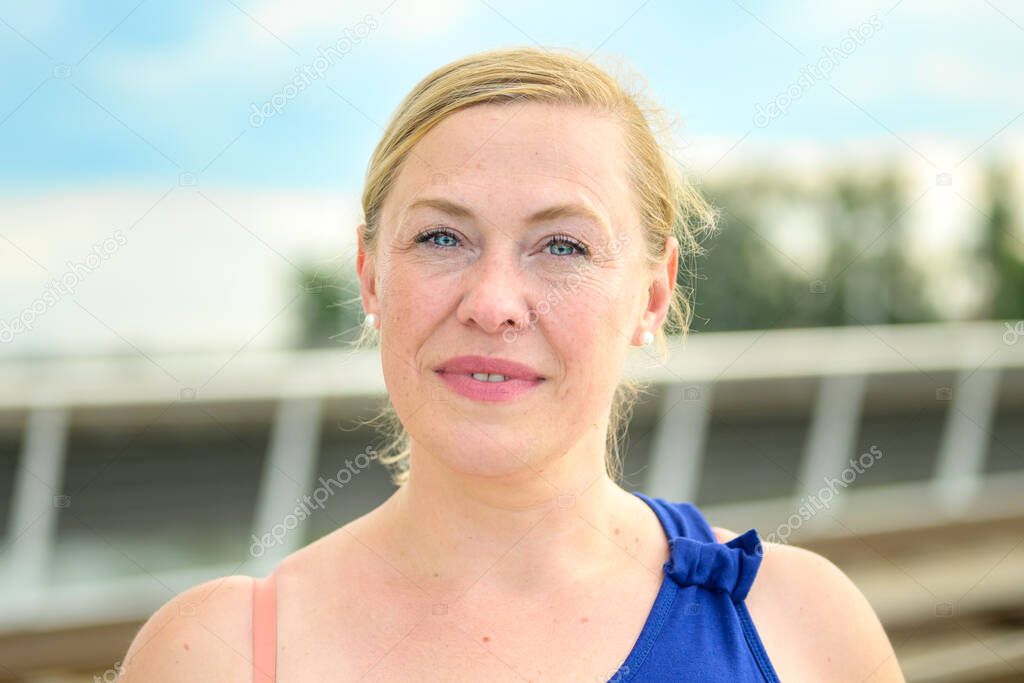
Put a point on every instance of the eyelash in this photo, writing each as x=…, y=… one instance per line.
x=555, y=239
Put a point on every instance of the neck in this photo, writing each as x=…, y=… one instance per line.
x=545, y=526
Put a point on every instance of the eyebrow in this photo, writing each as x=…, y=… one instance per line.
x=556, y=211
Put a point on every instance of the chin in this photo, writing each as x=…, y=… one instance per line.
x=485, y=458
x=499, y=454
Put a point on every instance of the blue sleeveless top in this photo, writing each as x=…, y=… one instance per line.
x=699, y=628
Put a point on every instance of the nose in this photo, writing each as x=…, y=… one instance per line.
x=494, y=295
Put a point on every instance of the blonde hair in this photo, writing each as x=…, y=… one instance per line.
x=666, y=202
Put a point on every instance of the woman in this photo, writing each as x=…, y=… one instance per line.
x=523, y=228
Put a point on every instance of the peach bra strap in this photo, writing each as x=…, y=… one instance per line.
x=264, y=629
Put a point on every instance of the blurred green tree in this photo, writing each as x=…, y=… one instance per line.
x=865, y=277
x=874, y=280
x=327, y=315
x=1002, y=248
x=746, y=284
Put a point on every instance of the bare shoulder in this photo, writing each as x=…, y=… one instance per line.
x=814, y=621
x=201, y=634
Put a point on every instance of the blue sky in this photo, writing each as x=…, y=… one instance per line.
x=160, y=88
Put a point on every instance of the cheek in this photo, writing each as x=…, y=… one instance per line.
x=406, y=308
x=590, y=332
x=595, y=304
x=410, y=299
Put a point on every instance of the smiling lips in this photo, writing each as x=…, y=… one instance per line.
x=484, y=378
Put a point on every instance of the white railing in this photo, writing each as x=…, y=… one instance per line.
x=40, y=395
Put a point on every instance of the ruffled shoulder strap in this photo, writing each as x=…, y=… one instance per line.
x=696, y=558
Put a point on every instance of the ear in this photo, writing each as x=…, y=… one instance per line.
x=662, y=287
x=367, y=272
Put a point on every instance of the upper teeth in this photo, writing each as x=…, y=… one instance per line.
x=484, y=377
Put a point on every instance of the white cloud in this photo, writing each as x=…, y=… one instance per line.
x=404, y=20
x=233, y=45
x=964, y=77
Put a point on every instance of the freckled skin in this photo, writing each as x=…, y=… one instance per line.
x=452, y=295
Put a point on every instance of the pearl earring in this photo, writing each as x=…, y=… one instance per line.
x=647, y=338
x=370, y=320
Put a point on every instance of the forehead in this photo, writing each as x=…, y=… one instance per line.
x=516, y=156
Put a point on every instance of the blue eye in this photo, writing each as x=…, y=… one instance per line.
x=561, y=240
x=440, y=232
x=565, y=240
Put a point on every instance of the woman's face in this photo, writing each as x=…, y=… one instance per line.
x=471, y=238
